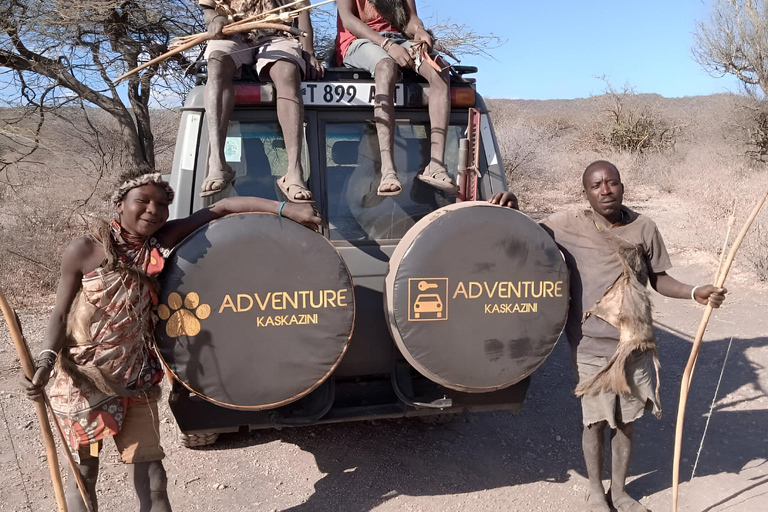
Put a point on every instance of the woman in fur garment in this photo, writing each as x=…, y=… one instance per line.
x=101, y=332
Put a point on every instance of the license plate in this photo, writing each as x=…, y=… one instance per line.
x=344, y=94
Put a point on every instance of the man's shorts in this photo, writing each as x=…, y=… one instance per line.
x=365, y=54
x=624, y=408
x=264, y=51
x=139, y=436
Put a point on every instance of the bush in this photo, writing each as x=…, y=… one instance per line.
x=756, y=127
x=630, y=124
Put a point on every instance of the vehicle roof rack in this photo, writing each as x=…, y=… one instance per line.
x=335, y=74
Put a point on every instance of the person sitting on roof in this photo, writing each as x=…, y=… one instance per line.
x=380, y=36
x=276, y=57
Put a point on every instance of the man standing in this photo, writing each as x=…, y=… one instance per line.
x=382, y=36
x=612, y=253
x=276, y=57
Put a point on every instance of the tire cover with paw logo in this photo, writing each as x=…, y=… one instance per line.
x=255, y=311
x=476, y=296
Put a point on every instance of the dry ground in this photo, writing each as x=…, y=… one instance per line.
x=493, y=461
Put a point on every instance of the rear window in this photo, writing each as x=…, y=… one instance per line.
x=256, y=152
x=353, y=166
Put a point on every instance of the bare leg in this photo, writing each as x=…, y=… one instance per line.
x=593, y=445
x=439, y=110
x=439, y=114
x=290, y=113
x=384, y=116
x=151, y=486
x=219, y=101
x=621, y=454
x=89, y=470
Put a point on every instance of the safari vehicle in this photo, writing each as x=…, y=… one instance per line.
x=340, y=158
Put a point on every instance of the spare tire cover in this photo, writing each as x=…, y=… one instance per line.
x=476, y=296
x=255, y=311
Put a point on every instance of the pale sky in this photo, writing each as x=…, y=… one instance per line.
x=556, y=48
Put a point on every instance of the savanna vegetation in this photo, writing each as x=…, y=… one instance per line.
x=66, y=134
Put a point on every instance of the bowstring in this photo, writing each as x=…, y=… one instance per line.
x=711, y=408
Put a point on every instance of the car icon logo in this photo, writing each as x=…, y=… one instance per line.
x=428, y=299
x=428, y=303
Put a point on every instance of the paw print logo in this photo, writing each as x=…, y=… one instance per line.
x=183, y=321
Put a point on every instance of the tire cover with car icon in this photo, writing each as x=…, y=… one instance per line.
x=476, y=296
x=255, y=311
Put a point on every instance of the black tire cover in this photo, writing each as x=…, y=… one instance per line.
x=255, y=311
x=452, y=296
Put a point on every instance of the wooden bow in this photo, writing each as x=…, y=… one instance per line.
x=205, y=36
x=40, y=407
x=685, y=384
x=268, y=20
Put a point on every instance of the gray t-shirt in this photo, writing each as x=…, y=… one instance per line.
x=594, y=266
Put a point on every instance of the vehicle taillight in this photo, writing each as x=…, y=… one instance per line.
x=254, y=94
x=462, y=97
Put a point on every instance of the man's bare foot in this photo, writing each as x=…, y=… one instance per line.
x=436, y=176
x=389, y=184
x=296, y=192
x=217, y=180
x=625, y=503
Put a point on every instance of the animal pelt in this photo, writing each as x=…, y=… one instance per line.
x=626, y=306
x=393, y=11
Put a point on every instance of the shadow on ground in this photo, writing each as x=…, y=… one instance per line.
x=368, y=463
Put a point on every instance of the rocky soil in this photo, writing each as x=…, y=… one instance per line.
x=493, y=461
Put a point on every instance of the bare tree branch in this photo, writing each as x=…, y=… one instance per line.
x=735, y=41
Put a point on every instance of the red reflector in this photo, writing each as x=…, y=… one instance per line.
x=254, y=95
x=462, y=97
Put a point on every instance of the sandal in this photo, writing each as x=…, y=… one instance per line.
x=440, y=179
x=390, y=178
x=626, y=503
x=297, y=188
x=222, y=178
x=597, y=505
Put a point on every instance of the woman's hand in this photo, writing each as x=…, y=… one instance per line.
x=34, y=388
x=304, y=213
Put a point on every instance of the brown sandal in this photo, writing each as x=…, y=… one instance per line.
x=227, y=176
x=389, y=178
x=439, y=178
x=287, y=187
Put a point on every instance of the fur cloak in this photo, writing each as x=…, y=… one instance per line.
x=625, y=305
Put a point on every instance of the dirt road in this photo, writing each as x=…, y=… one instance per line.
x=493, y=461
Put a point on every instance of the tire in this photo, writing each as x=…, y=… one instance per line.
x=197, y=440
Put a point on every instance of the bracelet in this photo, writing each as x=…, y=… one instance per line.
x=280, y=210
x=46, y=358
x=53, y=352
x=693, y=292
x=386, y=43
